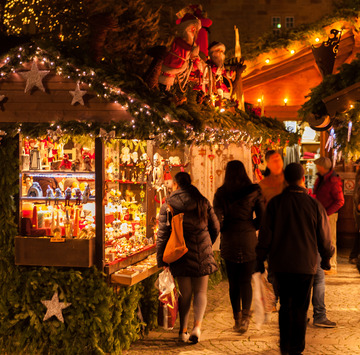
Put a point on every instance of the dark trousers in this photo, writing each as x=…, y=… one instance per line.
x=240, y=290
x=356, y=247
x=294, y=291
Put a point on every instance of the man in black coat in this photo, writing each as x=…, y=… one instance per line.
x=294, y=230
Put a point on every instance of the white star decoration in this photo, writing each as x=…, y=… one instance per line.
x=54, y=308
x=77, y=95
x=34, y=77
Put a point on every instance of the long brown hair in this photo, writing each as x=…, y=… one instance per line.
x=235, y=176
x=184, y=181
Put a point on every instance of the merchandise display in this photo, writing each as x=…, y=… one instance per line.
x=127, y=175
x=58, y=203
x=57, y=192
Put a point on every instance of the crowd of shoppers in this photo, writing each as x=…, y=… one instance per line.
x=296, y=242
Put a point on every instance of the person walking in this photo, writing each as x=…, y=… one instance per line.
x=192, y=270
x=272, y=185
x=235, y=203
x=328, y=190
x=354, y=254
x=294, y=229
x=274, y=182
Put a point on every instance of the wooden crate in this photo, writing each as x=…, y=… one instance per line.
x=40, y=251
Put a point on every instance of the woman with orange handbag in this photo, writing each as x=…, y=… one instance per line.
x=192, y=270
x=235, y=203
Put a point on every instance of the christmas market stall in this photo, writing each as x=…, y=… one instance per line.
x=84, y=170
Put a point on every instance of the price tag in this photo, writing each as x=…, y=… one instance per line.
x=57, y=240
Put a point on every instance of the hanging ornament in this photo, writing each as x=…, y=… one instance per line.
x=54, y=308
x=34, y=77
x=107, y=136
x=335, y=157
x=349, y=131
x=330, y=142
x=77, y=95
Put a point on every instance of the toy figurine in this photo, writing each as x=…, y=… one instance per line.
x=75, y=166
x=78, y=195
x=87, y=161
x=86, y=194
x=67, y=196
x=49, y=194
x=58, y=194
x=35, y=190
x=65, y=163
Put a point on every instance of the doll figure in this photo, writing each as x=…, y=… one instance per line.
x=78, y=195
x=67, y=196
x=86, y=194
x=125, y=155
x=65, y=163
x=49, y=195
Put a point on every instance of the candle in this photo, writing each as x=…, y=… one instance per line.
x=237, y=44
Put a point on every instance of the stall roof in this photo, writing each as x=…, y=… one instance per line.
x=290, y=73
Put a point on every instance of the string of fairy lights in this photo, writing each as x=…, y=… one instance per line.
x=146, y=122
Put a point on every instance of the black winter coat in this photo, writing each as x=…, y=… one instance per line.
x=295, y=228
x=235, y=212
x=199, y=236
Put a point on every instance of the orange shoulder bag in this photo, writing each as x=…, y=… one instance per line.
x=175, y=247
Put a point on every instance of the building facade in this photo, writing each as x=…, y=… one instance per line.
x=255, y=17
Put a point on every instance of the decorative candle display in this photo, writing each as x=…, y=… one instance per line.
x=35, y=218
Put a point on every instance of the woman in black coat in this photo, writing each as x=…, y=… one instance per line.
x=235, y=203
x=192, y=270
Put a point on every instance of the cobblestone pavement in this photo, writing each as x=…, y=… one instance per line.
x=343, y=306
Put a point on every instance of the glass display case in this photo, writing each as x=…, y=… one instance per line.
x=86, y=202
x=57, y=203
x=129, y=211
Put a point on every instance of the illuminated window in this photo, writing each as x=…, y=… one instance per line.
x=276, y=24
x=289, y=21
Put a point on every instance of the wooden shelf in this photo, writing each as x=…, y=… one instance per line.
x=129, y=260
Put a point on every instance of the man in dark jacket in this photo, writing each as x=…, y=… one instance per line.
x=328, y=190
x=295, y=229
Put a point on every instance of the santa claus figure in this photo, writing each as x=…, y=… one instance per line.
x=182, y=49
x=216, y=62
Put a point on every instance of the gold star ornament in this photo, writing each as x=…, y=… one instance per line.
x=54, y=308
x=77, y=95
x=34, y=78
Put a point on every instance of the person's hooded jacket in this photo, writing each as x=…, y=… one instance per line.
x=199, y=236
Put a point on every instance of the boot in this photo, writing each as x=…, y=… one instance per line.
x=237, y=318
x=245, y=320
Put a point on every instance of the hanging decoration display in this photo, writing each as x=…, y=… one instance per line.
x=168, y=125
x=331, y=140
x=34, y=77
x=78, y=95
x=54, y=308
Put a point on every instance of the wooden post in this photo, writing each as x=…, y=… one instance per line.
x=99, y=208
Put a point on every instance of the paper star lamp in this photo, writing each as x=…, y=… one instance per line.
x=77, y=95
x=34, y=78
x=54, y=308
